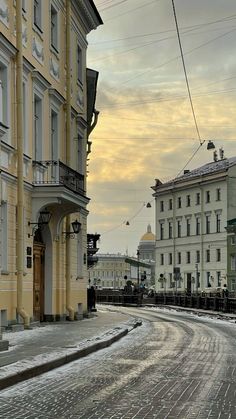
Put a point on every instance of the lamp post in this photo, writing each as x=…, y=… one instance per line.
x=138, y=254
x=196, y=266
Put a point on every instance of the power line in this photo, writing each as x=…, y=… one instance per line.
x=177, y=57
x=170, y=99
x=112, y=5
x=197, y=26
x=131, y=10
x=185, y=73
x=191, y=158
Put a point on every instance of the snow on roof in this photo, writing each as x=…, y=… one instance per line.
x=206, y=169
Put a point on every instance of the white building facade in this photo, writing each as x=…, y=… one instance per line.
x=113, y=271
x=193, y=249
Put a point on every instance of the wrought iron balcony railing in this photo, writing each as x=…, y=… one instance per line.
x=54, y=172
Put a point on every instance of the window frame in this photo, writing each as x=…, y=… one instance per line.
x=218, y=194
x=54, y=35
x=198, y=198
x=208, y=224
x=79, y=64
x=37, y=15
x=188, y=257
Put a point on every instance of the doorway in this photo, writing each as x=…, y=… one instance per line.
x=38, y=282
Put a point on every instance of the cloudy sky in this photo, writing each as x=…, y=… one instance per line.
x=146, y=128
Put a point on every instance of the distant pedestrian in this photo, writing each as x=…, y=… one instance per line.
x=225, y=291
x=91, y=298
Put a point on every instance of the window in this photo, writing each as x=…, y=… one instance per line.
x=197, y=256
x=218, y=278
x=179, y=202
x=54, y=28
x=178, y=228
x=170, y=280
x=208, y=227
x=218, y=194
x=188, y=257
x=170, y=258
x=233, y=240
x=208, y=197
x=79, y=65
x=179, y=258
x=218, y=255
x=3, y=95
x=188, y=201
x=161, y=231
x=198, y=198
x=208, y=274
x=170, y=229
x=162, y=259
x=198, y=226
x=233, y=262
x=188, y=227
x=161, y=206
x=208, y=259
x=37, y=128
x=38, y=14
x=218, y=223
x=170, y=204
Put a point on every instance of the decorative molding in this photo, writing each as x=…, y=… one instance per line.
x=40, y=80
x=24, y=35
x=80, y=98
x=4, y=13
x=38, y=51
x=7, y=47
x=56, y=97
x=54, y=69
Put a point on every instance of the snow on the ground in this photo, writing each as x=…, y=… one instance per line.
x=214, y=318
x=46, y=357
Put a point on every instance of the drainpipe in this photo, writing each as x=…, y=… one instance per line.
x=20, y=179
x=69, y=308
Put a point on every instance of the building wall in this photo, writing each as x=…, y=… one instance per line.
x=206, y=242
x=45, y=77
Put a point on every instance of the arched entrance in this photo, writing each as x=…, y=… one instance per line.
x=42, y=271
x=38, y=272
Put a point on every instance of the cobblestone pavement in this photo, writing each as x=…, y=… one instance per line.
x=175, y=366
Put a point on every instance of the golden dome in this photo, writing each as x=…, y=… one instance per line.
x=148, y=236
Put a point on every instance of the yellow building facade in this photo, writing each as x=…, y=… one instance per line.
x=46, y=114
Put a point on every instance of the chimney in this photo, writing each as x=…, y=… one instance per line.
x=215, y=156
x=221, y=151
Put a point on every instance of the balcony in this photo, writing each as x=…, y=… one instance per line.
x=54, y=172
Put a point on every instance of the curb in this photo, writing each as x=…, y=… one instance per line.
x=196, y=311
x=26, y=374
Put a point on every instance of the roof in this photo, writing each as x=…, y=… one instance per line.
x=96, y=12
x=205, y=170
x=148, y=236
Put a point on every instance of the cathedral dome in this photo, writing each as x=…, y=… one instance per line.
x=148, y=236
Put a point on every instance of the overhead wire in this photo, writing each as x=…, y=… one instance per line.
x=131, y=10
x=184, y=28
x=185, y=74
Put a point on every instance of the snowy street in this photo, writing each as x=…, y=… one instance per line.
x=176, y=365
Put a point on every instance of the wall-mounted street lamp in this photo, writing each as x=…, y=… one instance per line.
x=44, y=218
x=76, y=227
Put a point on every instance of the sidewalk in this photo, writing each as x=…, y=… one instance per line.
x=50, y=345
